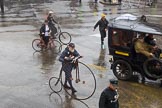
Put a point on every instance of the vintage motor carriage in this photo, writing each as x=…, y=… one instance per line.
x=125, y=61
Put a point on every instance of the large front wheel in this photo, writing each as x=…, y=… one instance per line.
x=153, y=68
x=85, y=83
x=122, y=70
x=65, y=38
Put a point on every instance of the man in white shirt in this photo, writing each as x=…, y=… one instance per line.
x=44, y=32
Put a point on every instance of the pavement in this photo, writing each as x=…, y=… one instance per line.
x=25, y=73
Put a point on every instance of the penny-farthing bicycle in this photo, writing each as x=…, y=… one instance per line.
x=84, y=81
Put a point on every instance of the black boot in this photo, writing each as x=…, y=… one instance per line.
x=65, y=84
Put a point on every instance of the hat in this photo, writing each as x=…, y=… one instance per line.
x=72, y=45
x=103, y=15
x=113, y=81
x=50, y=12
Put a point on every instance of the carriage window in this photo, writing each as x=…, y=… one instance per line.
x=122, y=38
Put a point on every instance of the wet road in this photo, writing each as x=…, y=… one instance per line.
x=25, y=73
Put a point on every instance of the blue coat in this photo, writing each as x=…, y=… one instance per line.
x=67, y=66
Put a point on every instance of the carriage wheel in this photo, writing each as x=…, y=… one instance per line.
x=153, y=68
x=122, y=70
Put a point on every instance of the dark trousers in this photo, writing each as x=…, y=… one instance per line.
x=53, y=29
x=103, y=35
x=2, y=6
x=46, y=40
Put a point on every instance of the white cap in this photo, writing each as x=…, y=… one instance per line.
x=50, y=12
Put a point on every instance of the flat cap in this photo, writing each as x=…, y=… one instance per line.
x=113, y=81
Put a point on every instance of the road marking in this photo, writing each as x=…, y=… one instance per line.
x=95, y=35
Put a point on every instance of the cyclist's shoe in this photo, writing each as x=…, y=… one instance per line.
x=66, y=86
x=73, y=91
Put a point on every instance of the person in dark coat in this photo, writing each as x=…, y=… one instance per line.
x=44, y=33
x=103, y=26
x=67, y=56
x=2, y=6
x=109, y=96
x=51, y=23
x=150, y=40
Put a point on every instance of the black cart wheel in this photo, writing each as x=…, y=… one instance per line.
x=122, y=70
x=153, y=68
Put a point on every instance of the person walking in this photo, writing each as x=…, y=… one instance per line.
x=51, y=23
x=68, y=64
x=2, y=6
x=103, y=26
x=109, y=96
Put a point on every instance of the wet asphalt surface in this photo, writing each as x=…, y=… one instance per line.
x=25, y=73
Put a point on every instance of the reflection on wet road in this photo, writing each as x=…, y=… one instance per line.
x=25, y=73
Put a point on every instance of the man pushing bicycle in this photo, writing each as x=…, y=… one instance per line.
x=68, y=59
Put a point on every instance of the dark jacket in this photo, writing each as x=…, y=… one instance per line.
x=51, y=19
x=107, y=99
x=103, y=24
x=67, y=66
x=42, y=30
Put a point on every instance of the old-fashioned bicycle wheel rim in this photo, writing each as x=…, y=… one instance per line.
x=55, y=46
x=36, y=45
x=55, y=84
x=87, y=84
x=65, y=38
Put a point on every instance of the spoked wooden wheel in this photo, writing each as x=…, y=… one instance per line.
x=122, y=70
x=153, y=68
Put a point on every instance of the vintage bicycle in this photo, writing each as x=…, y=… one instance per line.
x=64, y=37
x=54, y=45
x=84, y=79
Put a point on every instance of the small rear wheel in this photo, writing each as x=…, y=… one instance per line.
x=55, y=46
x=122, y=70
x=37, y=45
x=65, y=38
x=55, y=84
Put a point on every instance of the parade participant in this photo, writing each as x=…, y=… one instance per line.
x=142, y=47
x=44, y=33
x=67, y=57
x=2, y=6
x=109, y=96
x=103, y=26
x=51, y=23
x=150, y=40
